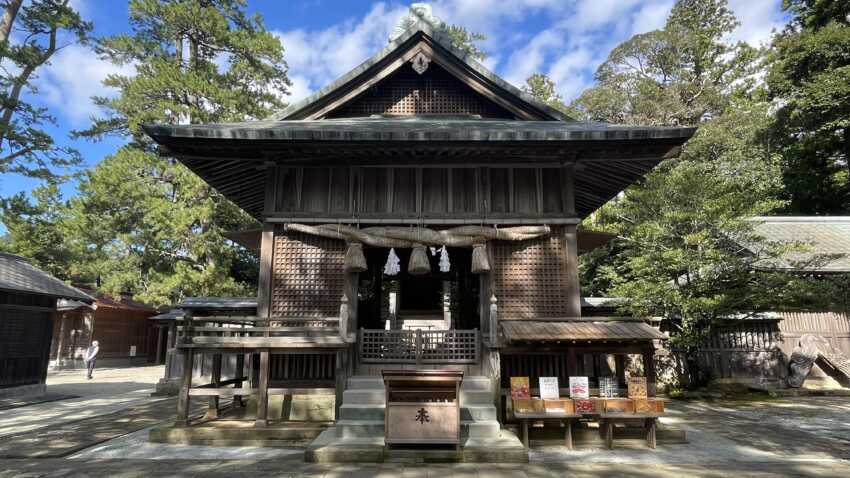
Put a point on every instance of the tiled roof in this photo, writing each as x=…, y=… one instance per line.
x=824, y=237
x=18, y=275
x=218, y=303
x=580, y=330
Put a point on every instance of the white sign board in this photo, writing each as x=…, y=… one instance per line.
x=579, y=387
x=132, y=351
x=549, y=388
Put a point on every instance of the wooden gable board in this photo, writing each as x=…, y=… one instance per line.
x=437, y=46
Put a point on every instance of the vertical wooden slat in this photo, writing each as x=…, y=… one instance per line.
x=263, y=390
x=264, y=286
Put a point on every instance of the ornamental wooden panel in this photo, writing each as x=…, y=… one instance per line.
x=409, y=93
x=307, y=275
x=529, y=277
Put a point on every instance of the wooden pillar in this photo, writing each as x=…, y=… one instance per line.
x=264, y=287
x=341, y=367
x=160, y=338
x=620, y=361
x=263, y=390
x=238, y=374
x=186, y=384
x=649, y=368
x=183, y=401
x=213, y=408
x=572, y=291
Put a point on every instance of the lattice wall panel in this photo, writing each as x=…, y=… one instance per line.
x=408, y=93
x=308, y=276
x=529, y=277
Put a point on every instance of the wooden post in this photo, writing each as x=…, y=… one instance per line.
x=343, y=318
x=651, y=432
x=620, y=361
x=572, y=291
x=160, y=335
x=341, y=364
x=240, y=372
x=265, y=278
x=183, y=401
x=494, y=321
x=263, y=390
x=568, y=439
x=213, y=409
x=649, y=369
x=186, y=383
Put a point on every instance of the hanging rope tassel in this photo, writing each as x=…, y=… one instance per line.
x=480, y=261
x=355, y=260
x=445, y=265
x=418, y=264
x=392, y=267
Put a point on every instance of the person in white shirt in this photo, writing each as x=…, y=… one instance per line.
x=91, y=357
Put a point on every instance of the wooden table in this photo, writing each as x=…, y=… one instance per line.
x=568, y=418
x=607, y=421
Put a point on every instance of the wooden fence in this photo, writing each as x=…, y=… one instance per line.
x=418, y=346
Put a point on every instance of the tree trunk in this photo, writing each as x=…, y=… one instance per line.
x=8, y=19
x=18, y=85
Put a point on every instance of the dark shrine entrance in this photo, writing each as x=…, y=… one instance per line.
x=434, y=301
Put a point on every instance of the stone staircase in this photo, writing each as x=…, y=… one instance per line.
x=358, y=434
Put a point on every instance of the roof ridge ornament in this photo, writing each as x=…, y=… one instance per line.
x=419, y=12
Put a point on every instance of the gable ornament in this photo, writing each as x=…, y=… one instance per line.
x=420, y=62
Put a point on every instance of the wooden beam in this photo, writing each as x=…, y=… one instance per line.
x=213, y=409
x=183, y=401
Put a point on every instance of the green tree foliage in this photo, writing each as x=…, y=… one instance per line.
x=145, y=223
x=810, y=78
x=682, y=74
x=29, y=37
x=466, y=41
x=34, y=229
x=543, y=89
x=679, y=254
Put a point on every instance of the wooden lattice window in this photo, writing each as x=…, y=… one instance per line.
x=308, y=276
x=529, y=277
x=434, y=92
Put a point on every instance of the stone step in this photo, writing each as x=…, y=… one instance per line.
x=375, y=428
x=365, y=382
x=360, y=382
x=363, y=397
x=348, y=411
x=378, y=397
x=359, y=411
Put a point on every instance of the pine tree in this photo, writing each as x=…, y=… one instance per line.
x=146, y=223
x=29, y=37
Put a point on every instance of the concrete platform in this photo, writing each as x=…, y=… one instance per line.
x=239, y=433
x=327, y=448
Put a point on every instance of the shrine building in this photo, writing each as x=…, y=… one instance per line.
x=419, y=214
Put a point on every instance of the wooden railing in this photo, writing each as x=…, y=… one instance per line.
x=418, y=346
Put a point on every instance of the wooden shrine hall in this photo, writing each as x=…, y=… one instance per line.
x=419, y=213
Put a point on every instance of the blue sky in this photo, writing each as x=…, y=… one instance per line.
x=566, y=39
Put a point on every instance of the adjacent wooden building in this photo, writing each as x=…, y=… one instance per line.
x=419, y=148
x=28, y=298
x=119, y=324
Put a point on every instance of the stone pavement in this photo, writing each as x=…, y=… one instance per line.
x=804, y=436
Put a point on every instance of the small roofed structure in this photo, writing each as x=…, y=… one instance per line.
x=824, y=242
x=119, y=324
x=28, y=298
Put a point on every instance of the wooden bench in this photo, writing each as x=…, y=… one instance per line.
x=607, y=421
x=568, y=418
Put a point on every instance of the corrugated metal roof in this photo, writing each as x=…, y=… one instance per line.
x=18, y=275
x=579, y=330
x=823, y=236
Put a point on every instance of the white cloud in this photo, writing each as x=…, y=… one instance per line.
x=568, y=40
x=74, y=75
x=758, y=20
x=316, y=58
